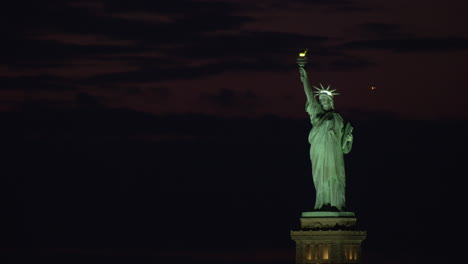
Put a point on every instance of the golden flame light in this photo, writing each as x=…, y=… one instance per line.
x=303, y=54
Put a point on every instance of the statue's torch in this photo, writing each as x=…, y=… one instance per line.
x=302, y=59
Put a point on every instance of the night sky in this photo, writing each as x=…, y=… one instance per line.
x=175, y=132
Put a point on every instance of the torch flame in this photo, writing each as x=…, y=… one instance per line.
x=303, y=54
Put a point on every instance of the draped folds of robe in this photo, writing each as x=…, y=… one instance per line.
x=326, y=154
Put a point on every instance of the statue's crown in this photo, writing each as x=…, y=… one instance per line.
x=323, y=90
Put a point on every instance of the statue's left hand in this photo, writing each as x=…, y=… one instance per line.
x=349, y=137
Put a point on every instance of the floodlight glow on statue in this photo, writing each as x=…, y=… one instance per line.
x=329, y=139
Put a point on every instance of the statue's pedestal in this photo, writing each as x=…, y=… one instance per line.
x=328, y=237
x=319, y=219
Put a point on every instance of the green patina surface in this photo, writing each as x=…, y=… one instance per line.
x=327, y=214
x=329, y=140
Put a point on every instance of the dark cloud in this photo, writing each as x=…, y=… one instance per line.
x=376, y=29
x=292, y=3
x=36, y=83
x=328, y=2
x=171, y=7
x=33, y=53
x=161, y=73
x=226, y=98
x=336, y=6
x=348, y=8
x=185, y=18
x=243, y=51
x=348, y=63
x=155, y=74
x=252, y=44
x=154, y=94
x=429, y=44
x=183, y=7
x=39, y=36
x=87, y=100
x=359, y=115
x=180, y=40
x=30, y=17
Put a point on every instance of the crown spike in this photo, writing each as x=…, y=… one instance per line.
x=324, y=90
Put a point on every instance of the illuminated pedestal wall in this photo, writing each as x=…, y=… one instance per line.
x=328, y=245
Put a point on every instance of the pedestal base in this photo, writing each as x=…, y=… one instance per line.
x=339, y=247
x=327, y=220
x=328, y=237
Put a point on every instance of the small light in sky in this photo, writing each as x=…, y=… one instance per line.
x=373, y=88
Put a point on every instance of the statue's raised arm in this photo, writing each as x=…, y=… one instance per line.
x=301, y=61
x=307, y=87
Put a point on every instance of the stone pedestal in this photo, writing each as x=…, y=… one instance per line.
x=321, y=220
x=328, y=237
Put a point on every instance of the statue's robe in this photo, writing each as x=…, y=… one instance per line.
x=326, y=154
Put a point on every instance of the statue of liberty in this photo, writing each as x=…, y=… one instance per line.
x=329, y=139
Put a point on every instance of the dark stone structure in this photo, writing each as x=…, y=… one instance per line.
x=325, y=238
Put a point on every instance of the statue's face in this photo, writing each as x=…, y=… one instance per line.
x=326, y=102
